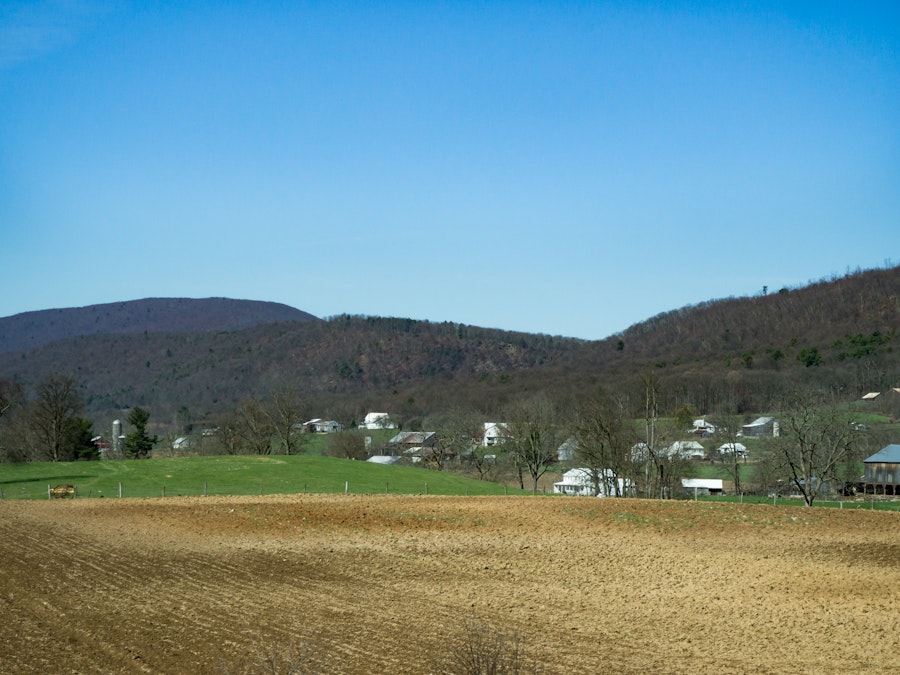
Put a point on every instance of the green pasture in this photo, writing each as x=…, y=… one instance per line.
x=234, y=475
x=867, y=503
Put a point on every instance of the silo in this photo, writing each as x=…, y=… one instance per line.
x=117, y=437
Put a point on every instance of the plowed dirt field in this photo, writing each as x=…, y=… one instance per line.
x=384, y=584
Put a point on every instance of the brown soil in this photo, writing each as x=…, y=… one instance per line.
x=384, y=584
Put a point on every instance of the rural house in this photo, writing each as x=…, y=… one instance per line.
x=377, y=420
x=739, y=449
x=882, y=471
x=580, y=482
x=495, y=433
x=320, y=426
x=566, y=451
x=686, y=450
x=702, y=428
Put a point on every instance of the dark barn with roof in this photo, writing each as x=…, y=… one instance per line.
x=882, y=474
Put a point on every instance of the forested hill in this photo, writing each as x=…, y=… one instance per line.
x=732, y=355
x=825, y=315
x=838, y=335
x=151, y=315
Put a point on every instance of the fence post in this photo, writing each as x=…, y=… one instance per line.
x=164, y=491
x=426, y=488
x=48, y=491
x=204, y=488
x=120, y=489
x=346, y=486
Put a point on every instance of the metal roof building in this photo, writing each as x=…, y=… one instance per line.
x=883, y=470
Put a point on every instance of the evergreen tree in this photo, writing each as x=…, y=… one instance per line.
x=138, y=444
x=77, y=443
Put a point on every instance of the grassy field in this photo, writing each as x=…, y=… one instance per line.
x=868, y=503
x=233, y=475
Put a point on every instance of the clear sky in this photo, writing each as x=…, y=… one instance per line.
x=568, y=168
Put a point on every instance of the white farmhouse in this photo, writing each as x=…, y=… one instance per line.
x=580, y=482
x=686, y=450
x=703, y=428
x=495, y=433
x=377, y=420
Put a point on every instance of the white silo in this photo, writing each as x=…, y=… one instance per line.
x=117, y=437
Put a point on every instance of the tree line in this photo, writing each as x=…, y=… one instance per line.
x=629, y=447
x=50, y=425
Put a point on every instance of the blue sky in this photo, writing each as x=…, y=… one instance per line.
x=568, y=168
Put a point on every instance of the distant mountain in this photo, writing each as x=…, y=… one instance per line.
x=152, y=315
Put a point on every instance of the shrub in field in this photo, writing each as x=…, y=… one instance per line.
x=271, y=657
x=485, y=648
x=346, y=445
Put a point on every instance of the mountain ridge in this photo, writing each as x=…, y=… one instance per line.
x=33, y=329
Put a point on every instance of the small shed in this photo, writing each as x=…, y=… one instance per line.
x=703, y=486
x=413, y=439
x=882, y=470
x=383, y=459
x=761, y=426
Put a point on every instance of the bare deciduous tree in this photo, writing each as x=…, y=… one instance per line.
x=462, y=430
x=604, y=439
x=286, y=416
x=728, y=428
x=663, y=464
x=815, y=440
x=348, y=444
x=10, y=393
x=536, y=430
x=255, y=427
x=57, y=403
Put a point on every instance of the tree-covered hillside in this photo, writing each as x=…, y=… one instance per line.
x=736, y=355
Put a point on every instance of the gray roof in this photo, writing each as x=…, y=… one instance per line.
x=889, y=454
